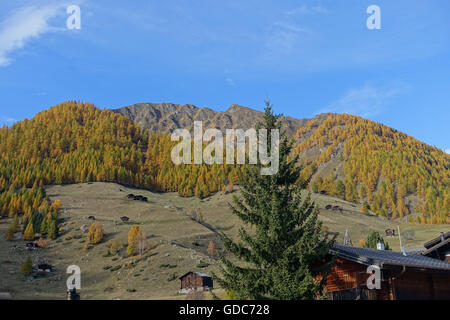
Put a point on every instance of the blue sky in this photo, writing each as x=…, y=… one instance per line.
x=306, y=56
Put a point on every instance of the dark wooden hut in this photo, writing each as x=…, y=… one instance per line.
x=194, y=280
x=390, y=232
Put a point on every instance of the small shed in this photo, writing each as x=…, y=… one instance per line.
x=195, y=280
x=44, y=267
x=390, y=232
x=31, y=245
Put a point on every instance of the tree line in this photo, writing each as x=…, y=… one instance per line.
x=75, y=142
x=383, y=168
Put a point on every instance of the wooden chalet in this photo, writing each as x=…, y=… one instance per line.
x=390, y=232
x=438, y=248
x=403, y=276
x=194, y=280
x=45, y=267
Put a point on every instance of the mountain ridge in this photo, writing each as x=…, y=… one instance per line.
x=165, y=117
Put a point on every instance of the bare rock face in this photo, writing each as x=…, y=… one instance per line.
x=166, y=117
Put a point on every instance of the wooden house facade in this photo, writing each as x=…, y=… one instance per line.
x=403, y=277
x=194, y=280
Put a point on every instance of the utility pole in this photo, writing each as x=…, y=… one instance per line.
x=402, y=249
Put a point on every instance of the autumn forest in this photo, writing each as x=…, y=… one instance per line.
x=384, y=171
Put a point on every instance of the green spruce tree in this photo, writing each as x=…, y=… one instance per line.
x=372, y=240
x=283, y=255
x=52, y=231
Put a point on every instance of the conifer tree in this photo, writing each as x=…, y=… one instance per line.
x=51, y=229
x=15, y=223
x=26, y=267
x=9, y=234
x=284, y=256
x=29, y=232
x=95, y=234
x=133, y=236
x=372, y=240
x=43, y=229
x=212, y=251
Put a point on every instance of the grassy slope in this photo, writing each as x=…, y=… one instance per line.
x=164, y=218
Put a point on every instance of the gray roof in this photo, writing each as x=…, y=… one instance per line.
x=437, y=246
x=201, y=274
x=383, y=258
x=436, y=240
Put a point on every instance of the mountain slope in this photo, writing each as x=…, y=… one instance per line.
x=362, y=161
x=379, y=168
x=165, y=117
x=386, y=171
x=75, y=142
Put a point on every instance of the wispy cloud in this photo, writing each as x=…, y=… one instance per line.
x=365, y=101
x=447, y=151
x=285, y=36
x=230, y=81
x=7, y=120
x=304, y=9
x=26, y=24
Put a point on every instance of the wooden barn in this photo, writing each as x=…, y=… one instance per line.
x=403, y=277
x=194, y=280
x=45, y=267
x=438, y=248
x=390, y=232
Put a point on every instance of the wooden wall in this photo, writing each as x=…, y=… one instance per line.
x=348, y=280
x=347, y=275
x=191, y=280
x=422, y=286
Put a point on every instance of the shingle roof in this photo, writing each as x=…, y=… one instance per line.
x=382, y=258
x=436, y=240
x=435, y=247
x=201, y=274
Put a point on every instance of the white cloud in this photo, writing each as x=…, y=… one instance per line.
x=447, y=151
x=306, y=10
x=25, y=24
x=7, y=120
x=285, y=36
x=230, y=82
x=365, y=101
